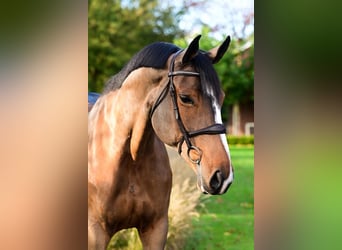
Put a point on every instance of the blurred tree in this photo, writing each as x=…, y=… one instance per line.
x=118, y=29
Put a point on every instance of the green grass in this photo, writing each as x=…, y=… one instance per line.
x=227, y=221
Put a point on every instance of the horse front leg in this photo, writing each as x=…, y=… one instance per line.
x=154, y=236
x=98, y=238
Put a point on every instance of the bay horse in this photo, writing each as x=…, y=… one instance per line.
x=163, y=95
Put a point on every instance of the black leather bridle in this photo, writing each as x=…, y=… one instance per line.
x=210, y=130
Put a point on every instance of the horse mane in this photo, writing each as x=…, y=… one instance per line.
x=154, y=55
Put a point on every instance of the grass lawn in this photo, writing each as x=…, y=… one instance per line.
x=227, y=221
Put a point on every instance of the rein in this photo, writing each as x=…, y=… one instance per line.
x=210, y=130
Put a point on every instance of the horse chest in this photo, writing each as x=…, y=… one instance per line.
x=132, y=208
x=137, y=203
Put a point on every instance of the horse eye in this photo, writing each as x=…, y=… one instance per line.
x=186, y=99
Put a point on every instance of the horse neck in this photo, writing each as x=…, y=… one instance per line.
x=121, y=117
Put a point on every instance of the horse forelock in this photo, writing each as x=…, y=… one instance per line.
x=210, y=83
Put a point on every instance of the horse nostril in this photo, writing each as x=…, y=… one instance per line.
x=216, y=181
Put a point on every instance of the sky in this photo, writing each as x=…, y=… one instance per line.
x=226, y=15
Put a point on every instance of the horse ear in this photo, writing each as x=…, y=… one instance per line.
x=192, y=50
x=216, y=54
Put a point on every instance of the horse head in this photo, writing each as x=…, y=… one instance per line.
x=187, y=115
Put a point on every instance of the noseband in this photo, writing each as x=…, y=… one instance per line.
x=211, y=130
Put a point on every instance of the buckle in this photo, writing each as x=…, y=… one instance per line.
x=198, y=152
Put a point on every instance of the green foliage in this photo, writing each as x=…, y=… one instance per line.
x=119, y=29
x=236, y=71
x=240, y=140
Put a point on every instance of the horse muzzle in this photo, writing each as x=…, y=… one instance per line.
x=217, y=184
